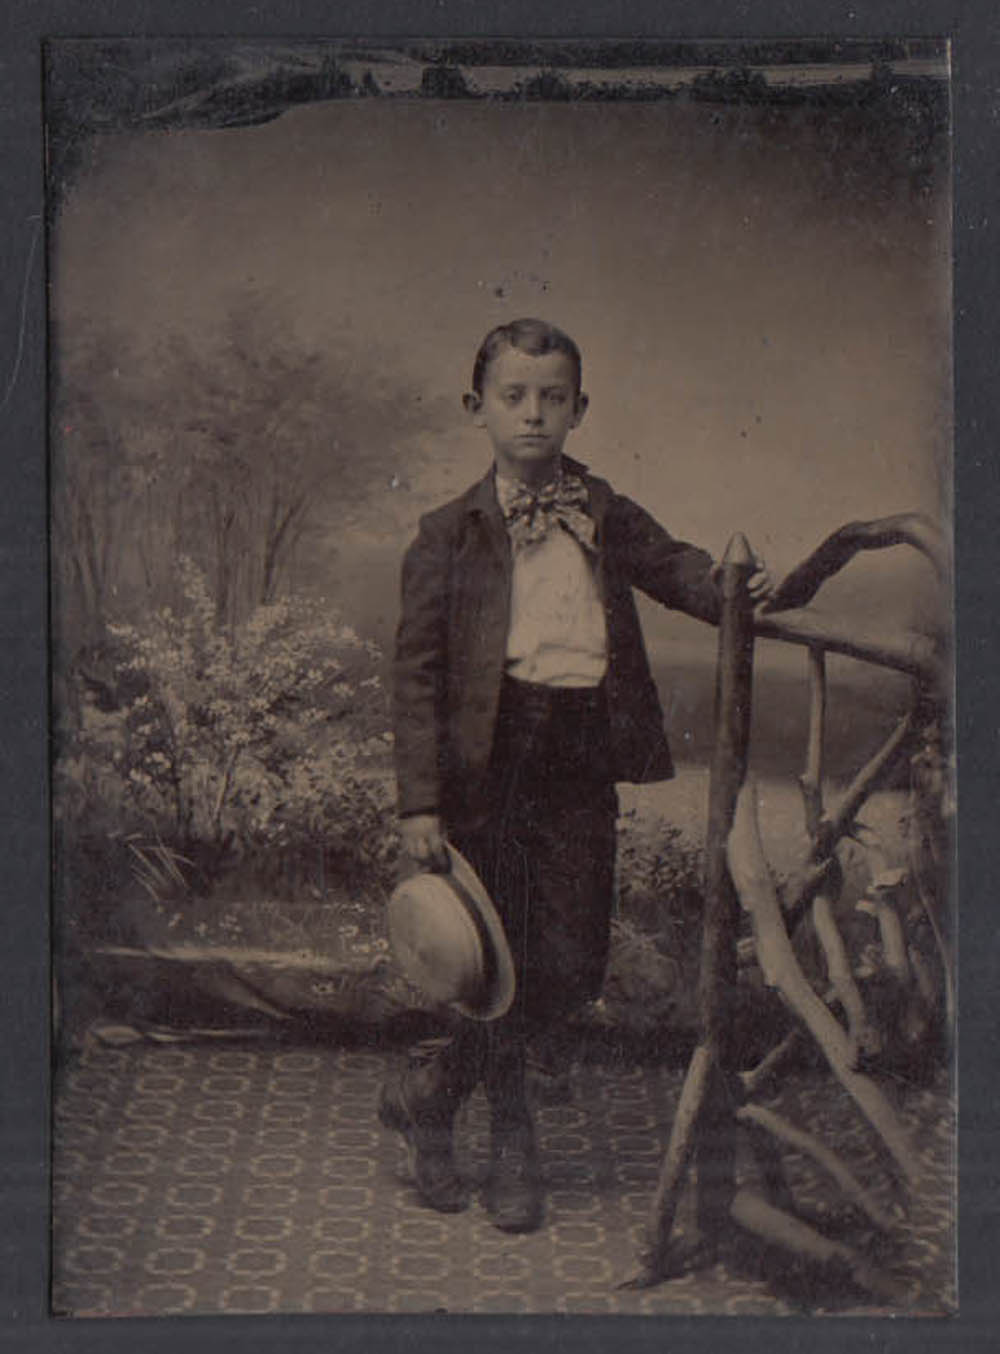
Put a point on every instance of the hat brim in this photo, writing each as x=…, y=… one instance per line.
x=495, y=984
x=499, y=997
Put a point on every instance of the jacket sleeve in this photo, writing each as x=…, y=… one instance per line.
x=670, y=571
x=419, y=672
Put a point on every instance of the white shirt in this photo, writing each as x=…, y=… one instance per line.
x=558, y=632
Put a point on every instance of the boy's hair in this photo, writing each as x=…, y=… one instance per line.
x=528, y=336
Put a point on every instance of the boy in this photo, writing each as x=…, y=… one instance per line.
x=522, y=694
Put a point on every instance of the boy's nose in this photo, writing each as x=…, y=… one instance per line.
x=533, y=409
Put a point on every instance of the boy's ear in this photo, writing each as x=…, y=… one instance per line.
x=582, y=404
x=472, y=403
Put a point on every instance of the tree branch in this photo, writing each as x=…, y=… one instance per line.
x=868, y=778
x=838, y=970
x=756, y=1077
x=810, y=877
x=912, y=653
x=811, y=782
x=907, y=528
x=801, y=1141
x=781, y=970
x=792, y=1234
x=770, y=1165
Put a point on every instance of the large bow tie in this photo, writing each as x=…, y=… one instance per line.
x=531, y=514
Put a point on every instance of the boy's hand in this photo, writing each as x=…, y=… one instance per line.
x=423, y=841
x=760, y=584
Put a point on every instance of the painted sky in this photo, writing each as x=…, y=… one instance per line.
x=764, y=316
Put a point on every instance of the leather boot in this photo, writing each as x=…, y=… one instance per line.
x=420, y=1103
x=513, y=1196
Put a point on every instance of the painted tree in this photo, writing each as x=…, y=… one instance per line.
x=230, y=453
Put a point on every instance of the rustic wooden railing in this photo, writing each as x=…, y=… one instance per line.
x=715, y=1105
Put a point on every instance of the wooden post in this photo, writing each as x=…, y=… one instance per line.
x=715, y=1139
x=704, y=1126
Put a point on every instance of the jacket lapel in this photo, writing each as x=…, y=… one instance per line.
x=598, y=491
x=599, y=496
x=481, y=503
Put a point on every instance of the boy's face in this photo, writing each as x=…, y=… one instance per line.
x=527, y=407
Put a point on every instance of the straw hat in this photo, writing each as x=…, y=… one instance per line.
x=449, y=941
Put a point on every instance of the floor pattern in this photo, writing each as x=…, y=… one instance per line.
x=254, y=1180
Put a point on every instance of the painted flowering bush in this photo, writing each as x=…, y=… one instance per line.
x=259, y=750
x=656, y=927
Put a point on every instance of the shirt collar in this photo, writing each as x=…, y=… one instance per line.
x=482, y=497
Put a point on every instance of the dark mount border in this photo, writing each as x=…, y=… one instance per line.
x=24, y=24
x=95, y=86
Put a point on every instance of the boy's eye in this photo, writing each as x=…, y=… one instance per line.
x=515, y=394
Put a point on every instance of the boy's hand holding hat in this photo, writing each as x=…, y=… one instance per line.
x=449, y=941
x=423, y=841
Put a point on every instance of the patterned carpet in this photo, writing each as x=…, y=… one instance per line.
x=257, y=1179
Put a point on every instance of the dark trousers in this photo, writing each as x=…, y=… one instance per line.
x=546, y=852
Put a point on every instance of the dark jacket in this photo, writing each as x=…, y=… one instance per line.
x=452, y=638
